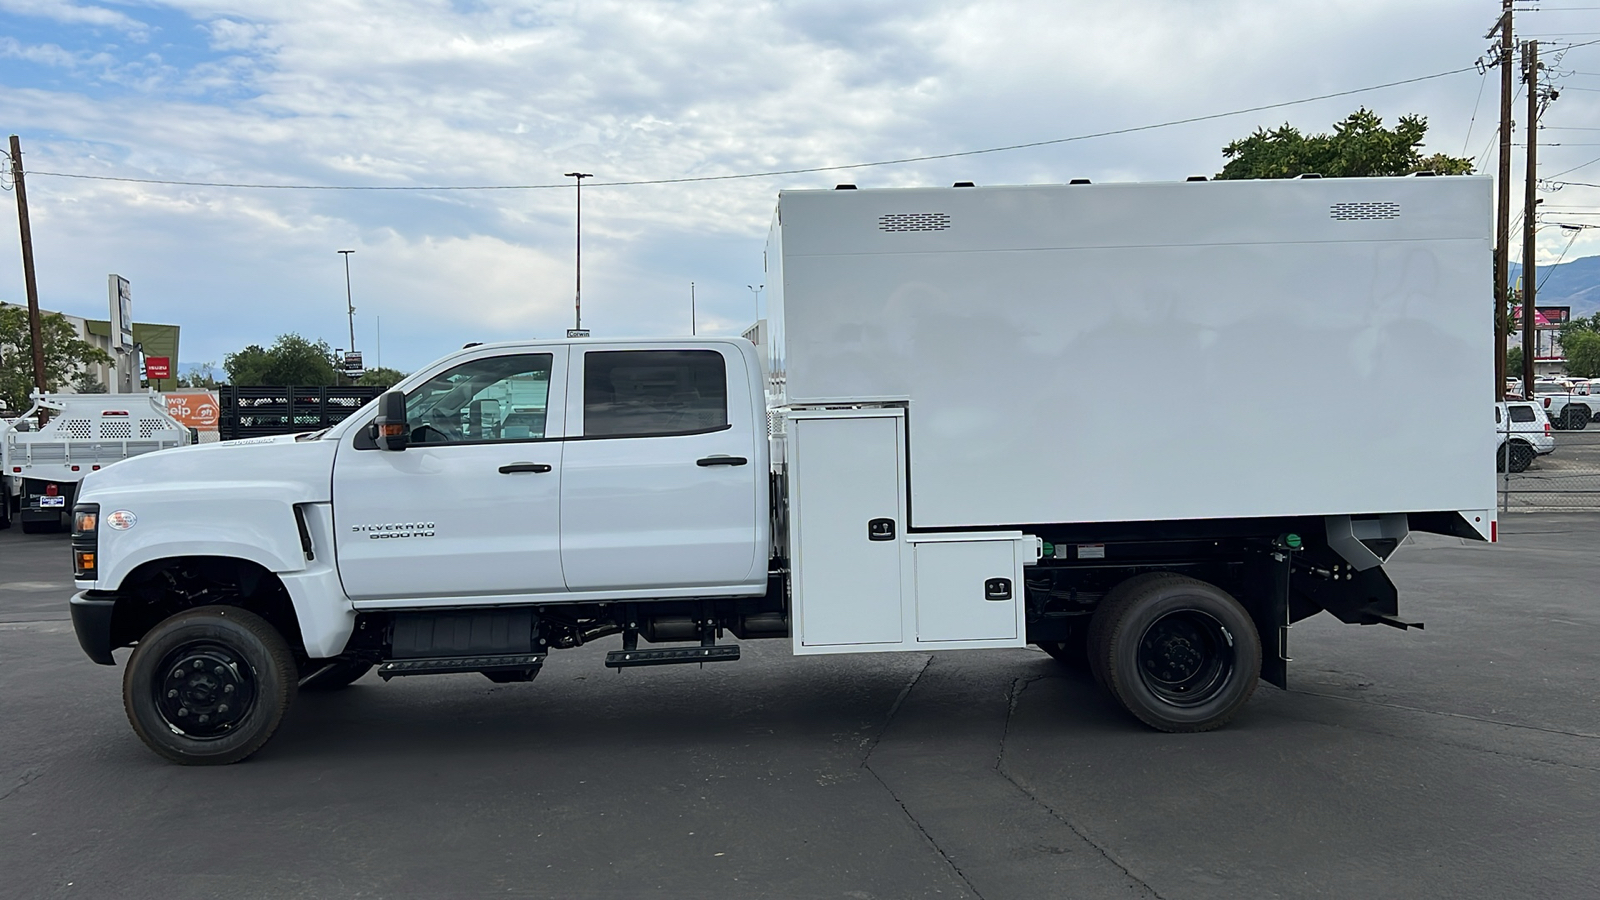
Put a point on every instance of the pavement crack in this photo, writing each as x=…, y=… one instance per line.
x=866, y=763
x=27, y=777
x=1018, y=685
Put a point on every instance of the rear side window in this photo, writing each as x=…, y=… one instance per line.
x=643, y=393
x=1522, y=414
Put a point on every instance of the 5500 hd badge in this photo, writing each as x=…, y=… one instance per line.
x=395, y=530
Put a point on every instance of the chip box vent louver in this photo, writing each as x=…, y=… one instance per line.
x=1364, y=210
x=914, y=222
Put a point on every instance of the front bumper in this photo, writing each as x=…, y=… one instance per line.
x=91, y=621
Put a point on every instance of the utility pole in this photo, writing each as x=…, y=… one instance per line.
x=1502, y=232
x=1530, y=205
x=35, y=328
x=692, y=331
x=577, y=298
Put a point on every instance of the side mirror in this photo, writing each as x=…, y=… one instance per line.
x=389, y=430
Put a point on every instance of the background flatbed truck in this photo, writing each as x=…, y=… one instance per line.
x=921, y=456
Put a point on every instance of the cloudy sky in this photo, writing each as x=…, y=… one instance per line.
x=406, y=93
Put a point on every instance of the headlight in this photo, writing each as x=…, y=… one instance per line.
x=85, y=541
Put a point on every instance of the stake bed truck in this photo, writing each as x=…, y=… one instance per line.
x=925, y=454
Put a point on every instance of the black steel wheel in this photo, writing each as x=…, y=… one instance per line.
x=1179, y=654
x=331, y=674
x=209, y=686
x=1521, y=456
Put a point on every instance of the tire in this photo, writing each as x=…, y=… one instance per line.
x=239, y=695
x=5, y=509
x=332, y=674
x=1179, y=654
x=1099, y=624
x=1578, y=417
x=1521, y=456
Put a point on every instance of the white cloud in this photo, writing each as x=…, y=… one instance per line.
x=74, y=14
x=434, y=92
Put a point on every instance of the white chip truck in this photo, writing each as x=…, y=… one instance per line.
x=930, y=452
x=41, y=468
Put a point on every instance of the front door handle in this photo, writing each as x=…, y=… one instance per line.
x=523, y=467
x=721, y=461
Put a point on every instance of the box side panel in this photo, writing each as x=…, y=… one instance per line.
x=1122, y=383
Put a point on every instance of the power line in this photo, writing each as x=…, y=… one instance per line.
x=771, y=174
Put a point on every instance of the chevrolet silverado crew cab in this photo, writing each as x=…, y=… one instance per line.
x=909, y=462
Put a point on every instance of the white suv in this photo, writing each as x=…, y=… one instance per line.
x=1524, y=434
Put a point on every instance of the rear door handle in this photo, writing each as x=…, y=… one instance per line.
x=523, y=467
x=721, y=461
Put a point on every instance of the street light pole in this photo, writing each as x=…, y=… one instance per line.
x=577, y=297
x=348, y=302
x=756, y=289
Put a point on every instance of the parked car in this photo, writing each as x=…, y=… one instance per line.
x=1524, y=434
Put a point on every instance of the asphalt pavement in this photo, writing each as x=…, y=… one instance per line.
x=1460, y=761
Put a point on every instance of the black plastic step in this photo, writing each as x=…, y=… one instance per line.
x=443, y=665
x=627, y=659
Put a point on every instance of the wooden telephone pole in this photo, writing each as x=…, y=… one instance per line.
x=34, y=328
x=1530, y=209
x=1502, y=232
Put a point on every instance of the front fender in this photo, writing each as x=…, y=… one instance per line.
x=214, y=522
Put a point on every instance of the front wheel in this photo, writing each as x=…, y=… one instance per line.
x=1179, y=654
x=209, y=686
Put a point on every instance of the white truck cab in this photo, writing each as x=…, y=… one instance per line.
x=910, y=462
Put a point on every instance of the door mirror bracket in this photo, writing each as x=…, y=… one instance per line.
x=389, y=430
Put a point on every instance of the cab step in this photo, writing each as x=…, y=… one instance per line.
x=668, y=656
x=443, y=665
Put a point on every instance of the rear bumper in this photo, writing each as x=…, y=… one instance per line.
x=91, y=621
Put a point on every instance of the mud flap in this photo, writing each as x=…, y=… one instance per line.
x=1267, y=590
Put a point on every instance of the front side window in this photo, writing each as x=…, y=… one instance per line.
x=642, y=393
x=500, y=398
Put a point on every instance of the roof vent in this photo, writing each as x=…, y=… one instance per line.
x=963, y=184
x=1309, y=175
x=844, y=187
x=1364, y=210
x=1195, y=178
x=1079, y=181
x=914, y=222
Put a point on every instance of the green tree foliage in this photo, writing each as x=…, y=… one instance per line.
x=1580, y=341
x=65, y=355
x=291, y=360
x=1514, y=362
x=1358, y=147
x=378, y=376
x=1583, y=354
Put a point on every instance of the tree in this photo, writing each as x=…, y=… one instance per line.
x=1358, y=147
x=88, y=383
x=378, y=376
x=65, y=354
x=1514, y=362
x=1583, y=353
x=291, y=360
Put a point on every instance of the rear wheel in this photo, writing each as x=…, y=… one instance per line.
x=1179, y=654
x=1521, y=456
x=1578, y=417
x=209, y=686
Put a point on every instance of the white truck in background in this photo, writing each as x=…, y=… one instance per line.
x=41, y=468
x=921, y=458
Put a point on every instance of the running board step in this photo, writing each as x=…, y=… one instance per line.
x=394, y=668
x=627, y=659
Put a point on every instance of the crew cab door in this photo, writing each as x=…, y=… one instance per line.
x=660, y=473
x=471, y=508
